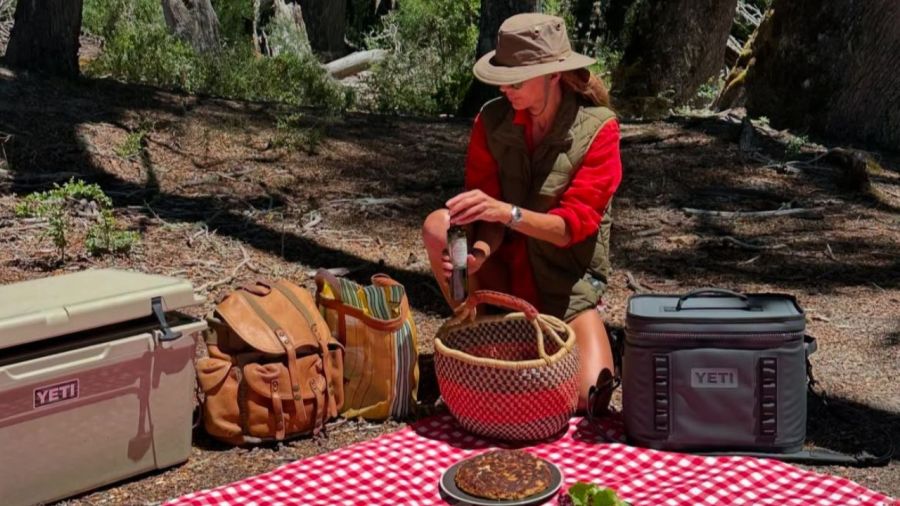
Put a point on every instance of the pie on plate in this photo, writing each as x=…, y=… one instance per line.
x=504, y=475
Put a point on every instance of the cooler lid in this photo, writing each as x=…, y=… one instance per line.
x=715, y=306
x=53, y=306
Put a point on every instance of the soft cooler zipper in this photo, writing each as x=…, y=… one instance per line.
x=707, y=320
x=748, y=340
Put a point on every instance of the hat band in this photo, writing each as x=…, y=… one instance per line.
x=521, y=60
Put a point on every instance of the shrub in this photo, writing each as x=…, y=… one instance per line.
x=105, y=237
x=795, y=146
x=59, y=204
x=132, y=144
x=431, y=50
x=235, y=19
x=139, y=48
x=296, y=79
x=292, y=135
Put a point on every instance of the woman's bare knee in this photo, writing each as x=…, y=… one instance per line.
x=434, y=230
x=595, y=355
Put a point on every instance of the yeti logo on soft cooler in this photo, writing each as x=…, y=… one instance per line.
x=714, y=378
x=55, y=393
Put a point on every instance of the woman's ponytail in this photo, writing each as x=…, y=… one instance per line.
x=586, y=84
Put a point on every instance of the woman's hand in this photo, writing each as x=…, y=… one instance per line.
x=474, y=261
x=475, y=205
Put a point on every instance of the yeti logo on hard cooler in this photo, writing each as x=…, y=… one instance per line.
x=714, y=378
x=52, y=394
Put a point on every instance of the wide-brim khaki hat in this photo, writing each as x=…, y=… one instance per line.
x=528, y=46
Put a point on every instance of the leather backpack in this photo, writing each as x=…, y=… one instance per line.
x=273, y=371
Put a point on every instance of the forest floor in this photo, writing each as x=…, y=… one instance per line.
x=222, y=194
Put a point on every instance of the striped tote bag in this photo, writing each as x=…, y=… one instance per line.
x=375, y=325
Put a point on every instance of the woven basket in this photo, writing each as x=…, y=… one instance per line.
x=512, y=377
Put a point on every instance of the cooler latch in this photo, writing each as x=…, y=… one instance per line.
x=167, y=333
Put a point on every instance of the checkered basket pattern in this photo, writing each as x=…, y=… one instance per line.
x=512, y=377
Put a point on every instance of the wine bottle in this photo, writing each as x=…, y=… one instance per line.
x=457, y=244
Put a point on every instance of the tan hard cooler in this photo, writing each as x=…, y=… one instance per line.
x=96, y=381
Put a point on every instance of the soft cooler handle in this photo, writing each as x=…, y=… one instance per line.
x=714, y=291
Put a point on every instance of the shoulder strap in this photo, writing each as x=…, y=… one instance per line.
x=287, y=345
x=311, y=320
x=322, y=335
x=345, y=309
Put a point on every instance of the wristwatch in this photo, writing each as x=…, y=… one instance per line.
x=515, y=216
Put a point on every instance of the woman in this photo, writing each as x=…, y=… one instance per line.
x=541, y=169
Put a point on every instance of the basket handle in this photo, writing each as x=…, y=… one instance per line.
x=503, y=300
x=507, y=301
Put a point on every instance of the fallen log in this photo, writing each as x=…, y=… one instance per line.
x=354, y=63
x=813, y=212
x=727, y=239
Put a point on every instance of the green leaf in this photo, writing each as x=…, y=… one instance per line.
x=605, y=497
x=581, y=493
x=585, y=494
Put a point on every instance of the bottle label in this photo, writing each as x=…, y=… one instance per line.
x=458, y=252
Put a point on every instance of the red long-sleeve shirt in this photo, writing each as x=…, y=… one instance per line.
x=581, y=204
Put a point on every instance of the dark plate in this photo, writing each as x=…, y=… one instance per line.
x=453, y=495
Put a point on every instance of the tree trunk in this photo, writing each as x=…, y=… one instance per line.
x=493, y=13
x=825, y=67
x=604, y=19
x=45, y=36
x=676, y=47
x=7, y=11
x=326, y=25
x=362, y=16
x=193, y=21
x=282, y=28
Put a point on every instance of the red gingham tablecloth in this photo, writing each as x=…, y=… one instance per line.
x=403, y=468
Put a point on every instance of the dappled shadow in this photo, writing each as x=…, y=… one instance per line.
x=386, y=147
x=781, y=267
x=824, y=174
x=669, y=171
x=44, y=117
x=391, y=162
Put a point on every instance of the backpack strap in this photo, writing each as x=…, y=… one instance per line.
x=289, y=350
x=322, y=392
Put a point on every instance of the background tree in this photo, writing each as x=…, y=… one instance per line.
x=603, y=19
x=492, y=14
x=362, y=17
x=676, y=46
x=193, y=21
x=45, y=36
x=326, y=25
x=829, y=68
x=7, y=11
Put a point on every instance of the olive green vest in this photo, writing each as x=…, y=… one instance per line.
x=569, y=280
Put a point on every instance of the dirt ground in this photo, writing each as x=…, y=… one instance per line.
x=220, y=196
